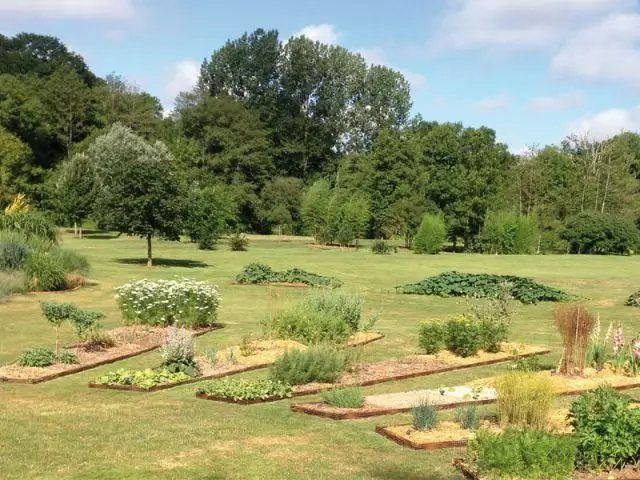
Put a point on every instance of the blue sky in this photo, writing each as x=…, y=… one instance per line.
x=534, y=70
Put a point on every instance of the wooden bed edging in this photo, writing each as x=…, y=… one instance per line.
x=356, y=413
x=419, y=446
x=164, y=386
x=88, y=366
x=423, y=373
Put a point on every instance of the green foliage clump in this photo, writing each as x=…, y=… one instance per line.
x=208, y=214
x=144, y=379
x=456, y=284
x=68, y=358
x=30, y=225
x=527, y=454
x=184, y=303
x=468, y=417
x=527, y=364
x=381, y=247
x=13, y=251
x=607, y=429
x=246, y=390
x=320, y=363
x=45, y=271
x=256, y=273
x=425, y=417
x=601, y=233
x=347, y=397
x=343, y=305
x=464, y=335
x=37, y=357
x=71, y=261
x=432, y=337
x=238, y=242
x=508, y=233
x=633, y=300
x=524, y=399
x=430, y=235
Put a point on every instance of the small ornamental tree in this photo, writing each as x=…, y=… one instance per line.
x=431, y=235
x=56, y=314
x=139, y=189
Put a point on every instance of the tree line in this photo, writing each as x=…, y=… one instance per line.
x=296, y=137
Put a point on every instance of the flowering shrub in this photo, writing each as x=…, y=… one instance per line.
x=184, y=303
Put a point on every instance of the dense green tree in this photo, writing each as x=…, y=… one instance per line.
x=209, y=213
x=280, y=202
x=506, y=232
x=403, y=218
x=16, y=170
x=601, y=233
x=314, y=208
x=431, y=234
x=139, y=189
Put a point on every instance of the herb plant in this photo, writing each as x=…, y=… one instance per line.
x=239, y=390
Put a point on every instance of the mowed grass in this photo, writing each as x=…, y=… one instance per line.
x=62, y=429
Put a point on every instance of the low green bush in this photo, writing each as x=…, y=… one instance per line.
x=37, y=357
x=431, y=234
x=456, y=284
x=601, y=233
x=343, y=305
x=381, y=247
x=432, y=337
x=348, y=397
x=607, y=429
x=524, y=454
x=14, y=251
x=425, y=417
x=527, y=364
x=633, y=300
x=144, y=379
x=238, y=242
x=68, y=358
x=256, y=273
x=464, y=335
x=307, y=326
x=524, y=399
x=45, y=271
x=246, y=390
x=320, y=363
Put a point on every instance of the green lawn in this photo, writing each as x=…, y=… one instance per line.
x=62, y=429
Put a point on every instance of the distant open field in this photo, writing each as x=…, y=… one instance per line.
x=64, y=430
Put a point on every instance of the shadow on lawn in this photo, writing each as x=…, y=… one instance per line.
x=399, y=473
x=163, y=262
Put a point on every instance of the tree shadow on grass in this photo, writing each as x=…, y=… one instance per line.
x=163, y=262
x=401, y=473
x=100, y=236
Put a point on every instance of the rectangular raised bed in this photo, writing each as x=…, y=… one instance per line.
x=88, y=366
x=385, y=432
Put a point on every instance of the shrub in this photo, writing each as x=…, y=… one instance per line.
x=238, y=242
x=607, y=429
x=432, y=337
x=633, y=300
x=575, y=324
x=380, y=247
x=320, y=363
x=179, y=347
x=307, y=326
x=430, y=235
x=348, y=397
x=601, y=233
x=456, y=284
x=343, y=305
x=56, y=314
x=247, y=347
x=494, y=318
x=508, y=233
x=144, y=379
x=68, y=358
x=13, y=251
x=528, y=453
x=185, y=303
x=468, y=417
x=45, y=271
x=71, y=261
x=527, y=364
x=256, y=273
x=425, y=417
x=37, y=357
x=524, y=399
x=85, y=322
x=246, y=390
x=464, y=335
x=30, y=224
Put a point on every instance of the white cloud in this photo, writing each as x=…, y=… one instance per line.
x=374, y=56
x=377, y=56
x=417, y=80
x=608, y=123
x=563, y=101
x=324, y=33
x=493, y=104
x=607, y=50
x=182, y=76
x=81, y=9
x=518, y=24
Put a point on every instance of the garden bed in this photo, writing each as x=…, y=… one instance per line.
x=275, y=284
x=266, y=353
x=130, y=341
x=409, y=367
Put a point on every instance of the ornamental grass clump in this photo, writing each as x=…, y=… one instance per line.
x=524, y=399
x=320, y=363
x=348, y=397
x=575, y=324
x=183, y=303
x=425, y=416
